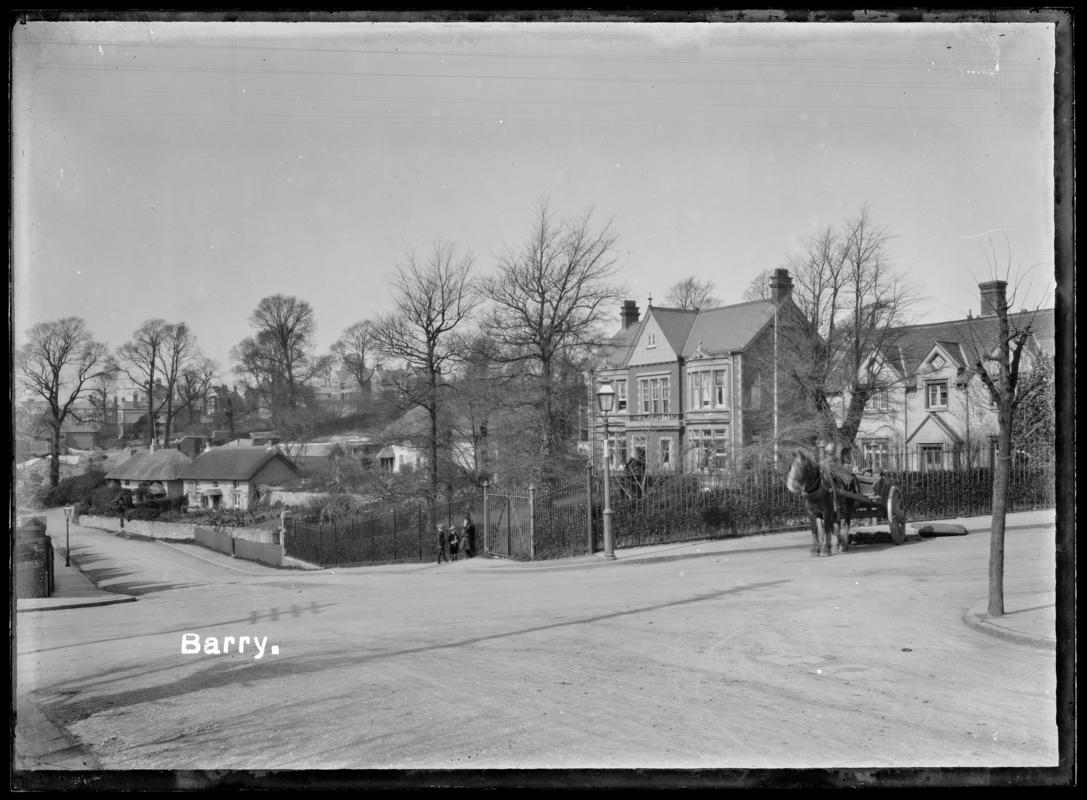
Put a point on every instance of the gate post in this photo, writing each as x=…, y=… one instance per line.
x=531, y=522
x=486, y=519
x=589, y=505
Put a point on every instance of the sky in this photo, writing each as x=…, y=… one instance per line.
x=185, y=170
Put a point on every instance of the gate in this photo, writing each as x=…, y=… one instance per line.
x=507, y=526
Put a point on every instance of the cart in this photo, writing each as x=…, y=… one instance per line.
x=880, y=499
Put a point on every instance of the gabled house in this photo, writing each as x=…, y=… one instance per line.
x=231, y=477
x=151, y=473
x=403, y=444
x=686, y=381
x=932, y=410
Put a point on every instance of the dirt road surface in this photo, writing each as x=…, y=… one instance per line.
x=744, y=654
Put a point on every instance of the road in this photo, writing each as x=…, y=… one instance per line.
x=748, y=654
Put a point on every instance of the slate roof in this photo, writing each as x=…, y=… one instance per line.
x=232, y=463
x=161, y=465
x=961, y=338
x=715, y=331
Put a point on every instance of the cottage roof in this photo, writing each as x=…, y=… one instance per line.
x=160, y=465
x=233, y=463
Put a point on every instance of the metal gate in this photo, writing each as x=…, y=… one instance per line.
x=507, y=526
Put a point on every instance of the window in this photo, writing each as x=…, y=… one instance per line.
x=708, y=389
x=650, y=340
x=708, y=448
x=617, y=450
x=880, y=399
x=755, y=398
x=665, y=454
x=874, y=454
x=654, y=394
x=932, y=457
x=936, y=394
x=719, y=393
x=620, y=395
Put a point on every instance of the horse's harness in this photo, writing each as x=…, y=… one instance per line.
x=826, y=484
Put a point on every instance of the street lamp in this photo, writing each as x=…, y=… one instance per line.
x=67, y=541
x=605, y=398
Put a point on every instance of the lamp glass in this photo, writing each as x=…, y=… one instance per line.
x=605, y=397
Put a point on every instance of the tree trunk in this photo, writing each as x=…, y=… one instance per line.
x=1001, y=480
x=54, y=457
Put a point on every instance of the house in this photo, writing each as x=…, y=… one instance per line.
x=33, y=437
x=932, y=410
x=403, y=444
x=151, y=473
x=687, y=382
x=232, y=477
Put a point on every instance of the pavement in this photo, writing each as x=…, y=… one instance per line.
x=1029, y=618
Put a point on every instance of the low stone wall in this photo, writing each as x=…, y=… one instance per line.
x=174, y=531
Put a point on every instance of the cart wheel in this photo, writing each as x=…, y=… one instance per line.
x=896, y=515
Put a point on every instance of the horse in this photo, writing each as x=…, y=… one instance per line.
x=819, y=485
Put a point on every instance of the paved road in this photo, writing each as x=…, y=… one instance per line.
x=744, y=654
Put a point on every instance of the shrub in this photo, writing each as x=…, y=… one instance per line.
x=76, y=489
x=142, y=513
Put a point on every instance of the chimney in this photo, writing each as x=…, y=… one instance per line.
x=781, y=285
x=629, y=313
x=993, y=297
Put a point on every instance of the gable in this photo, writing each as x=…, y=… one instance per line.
x=934, y=430
x=651, y=345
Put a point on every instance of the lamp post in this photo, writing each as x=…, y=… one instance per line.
x=605, y=398
x=67, y=541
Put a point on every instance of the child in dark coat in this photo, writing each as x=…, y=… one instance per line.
x=443, y=542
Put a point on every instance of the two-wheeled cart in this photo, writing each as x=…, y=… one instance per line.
x=880, y=499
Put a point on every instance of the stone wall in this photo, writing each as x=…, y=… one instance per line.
x=173, y=531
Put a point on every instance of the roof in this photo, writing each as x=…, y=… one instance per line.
x=962, y=338
x=711, y=331
x=160, y=465
x=233, y=463
x=729, y=328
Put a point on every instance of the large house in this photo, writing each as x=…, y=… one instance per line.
x=693, y=387
x=933, y=411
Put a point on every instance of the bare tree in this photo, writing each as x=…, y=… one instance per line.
x=140, y=359
x=692, y=294
x=179, y=353
x=1017, y=375
x=759, y=288
x=853, y=302
x=432, y=299
x=547, y=299
x=353, y=349
x=280, y=358
x=194, y=385
x=58, y=364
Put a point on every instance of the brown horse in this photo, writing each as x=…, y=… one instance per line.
x=819, y=485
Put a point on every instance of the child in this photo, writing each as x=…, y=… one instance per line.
x=454, y=544
x=442, y=541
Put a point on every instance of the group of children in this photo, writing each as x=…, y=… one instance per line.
x=452, y=542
